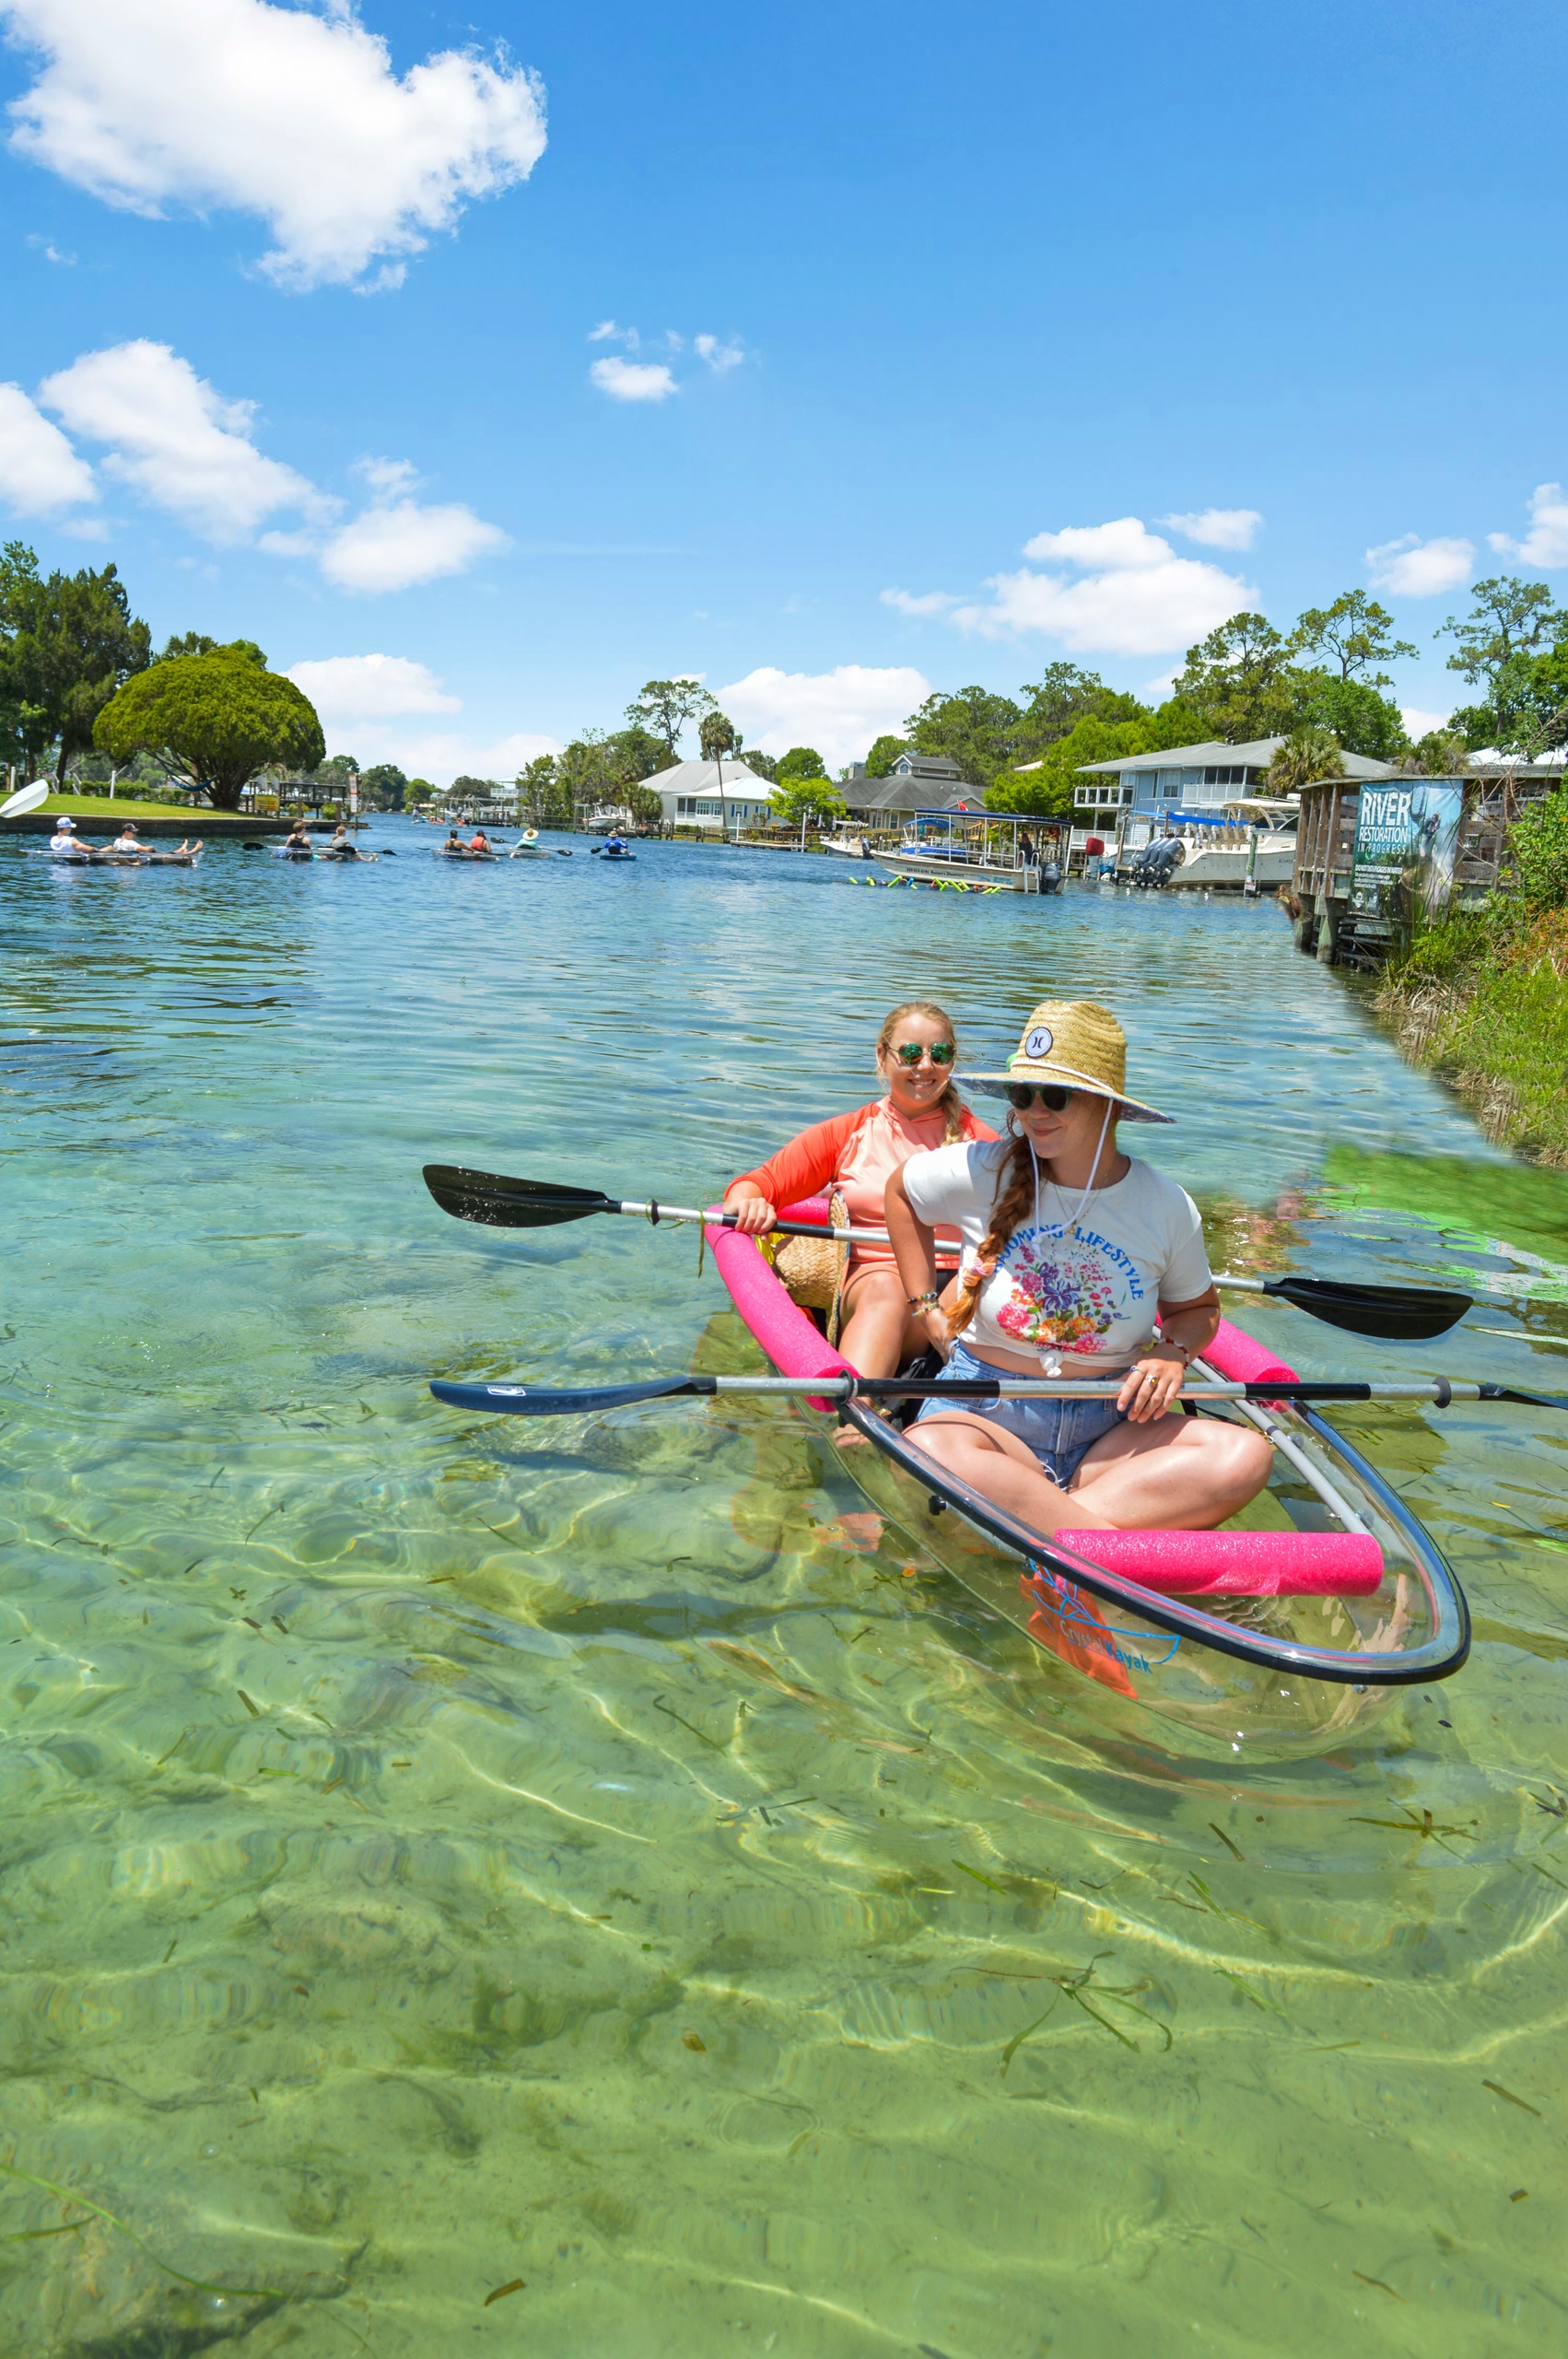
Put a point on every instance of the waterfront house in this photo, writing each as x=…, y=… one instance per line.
x=1129, y=800
x=916, y=782
x=693, y=794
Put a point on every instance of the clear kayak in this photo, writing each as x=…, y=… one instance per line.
x=94, y=857
x=1269, y=1637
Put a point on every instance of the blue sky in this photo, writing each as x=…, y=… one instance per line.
x=302, y=309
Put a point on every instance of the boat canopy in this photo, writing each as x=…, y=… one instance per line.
x=1264, y=809
x=978, y=839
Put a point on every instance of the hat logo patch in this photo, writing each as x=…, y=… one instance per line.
x=1040, y=1041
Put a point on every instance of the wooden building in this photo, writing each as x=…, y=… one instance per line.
x=1319, y=896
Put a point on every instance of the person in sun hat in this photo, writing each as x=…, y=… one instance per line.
x=1071, y=1250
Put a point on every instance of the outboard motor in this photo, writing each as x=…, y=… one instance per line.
x=1051, y=877
x=1158, y=862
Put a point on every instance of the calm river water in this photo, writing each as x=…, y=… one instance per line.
x=577, y=1889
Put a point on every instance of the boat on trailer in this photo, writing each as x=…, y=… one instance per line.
x=1269, y=1638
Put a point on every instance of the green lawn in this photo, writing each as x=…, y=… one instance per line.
x=119, y=806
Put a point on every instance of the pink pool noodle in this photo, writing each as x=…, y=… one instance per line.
x=1238, y=1564
x=1243, y=1360
x=792, y=1343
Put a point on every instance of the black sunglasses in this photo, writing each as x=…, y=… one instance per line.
x=1052, y=1096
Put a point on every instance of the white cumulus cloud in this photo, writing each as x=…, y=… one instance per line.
x=396, y=544
x=291, y=114
x=39, y=470
x=370, y=688
x=1216, y=528
x=840, y=712
x=633, y=380
x=1419, y=723
x=175, y=440
x=1411, y=567
x=1133, y=595
x=1544, y=546
x=930, y=601
x=719, y=355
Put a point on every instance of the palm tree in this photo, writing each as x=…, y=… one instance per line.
x=1308, y=754
x=716, y=738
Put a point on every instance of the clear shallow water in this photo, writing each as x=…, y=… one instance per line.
x=437, y=1855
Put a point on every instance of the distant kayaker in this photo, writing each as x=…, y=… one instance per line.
x=853, y=1154
x=479, y=841
x=298, y=838
x=65, y=836
x=342, y=846
x=454, y=841
x=1070, y=1248
x=126, y=840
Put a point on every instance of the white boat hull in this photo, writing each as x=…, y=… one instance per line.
x=973, y=874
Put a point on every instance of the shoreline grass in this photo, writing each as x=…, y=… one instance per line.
x=1482, y=1000
x=121, y=807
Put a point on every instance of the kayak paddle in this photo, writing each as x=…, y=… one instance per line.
x=528, y=1401
x=499, y=1202
x=25, y=798
x=1405, y=1314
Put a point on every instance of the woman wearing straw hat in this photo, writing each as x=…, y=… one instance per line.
x=1071, y=1250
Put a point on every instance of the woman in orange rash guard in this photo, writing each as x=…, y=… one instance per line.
x=857, y=1154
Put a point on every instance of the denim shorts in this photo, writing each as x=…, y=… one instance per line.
x=1059, y=1432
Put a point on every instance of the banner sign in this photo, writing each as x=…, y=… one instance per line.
x=1406, y=835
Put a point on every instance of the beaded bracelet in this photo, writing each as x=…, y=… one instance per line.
x=929, y=1301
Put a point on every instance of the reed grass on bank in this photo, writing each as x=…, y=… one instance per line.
x=1483, y=999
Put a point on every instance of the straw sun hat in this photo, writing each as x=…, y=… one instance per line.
x=1078, y=1044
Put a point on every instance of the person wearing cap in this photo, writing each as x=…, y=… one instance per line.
x=1071, y=1248
x=125, y=841
x=65, y=836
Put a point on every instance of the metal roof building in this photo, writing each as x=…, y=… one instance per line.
x=691, y=795
x=916, y=782
x=1194, y=777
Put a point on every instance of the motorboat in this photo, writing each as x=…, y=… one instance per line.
x=971, y=851
x=1248, y=845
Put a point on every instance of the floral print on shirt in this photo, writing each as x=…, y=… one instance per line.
x=1063, y=1291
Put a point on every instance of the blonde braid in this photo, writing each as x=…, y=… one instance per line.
x=1014, y=1197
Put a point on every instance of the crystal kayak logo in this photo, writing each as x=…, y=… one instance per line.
x=1081, y=1624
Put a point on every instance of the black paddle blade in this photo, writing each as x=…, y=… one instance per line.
x=1402, y=1314
x=526, y=1401
x=498, y=1202
x=1531, y=1399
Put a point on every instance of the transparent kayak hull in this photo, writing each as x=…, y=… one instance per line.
x=1269, y=1673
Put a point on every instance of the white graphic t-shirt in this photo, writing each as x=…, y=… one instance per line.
x=1091, y=1291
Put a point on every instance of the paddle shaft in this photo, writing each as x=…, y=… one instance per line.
x=526, y=1400
x=1403, y=1314
x=656, y=1212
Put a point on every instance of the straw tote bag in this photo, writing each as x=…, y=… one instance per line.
x=812, y=1268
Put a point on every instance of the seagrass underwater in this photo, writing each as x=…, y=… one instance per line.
x=606, y=1865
